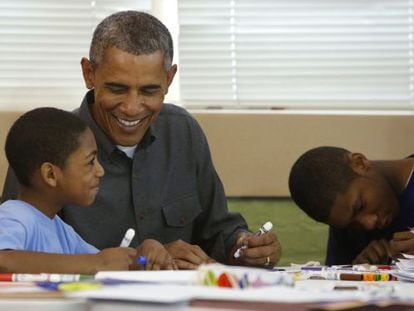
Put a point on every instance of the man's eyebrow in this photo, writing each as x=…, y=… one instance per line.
x=115, y=84
x=151, y=86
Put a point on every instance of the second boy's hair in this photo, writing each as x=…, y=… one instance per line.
x=316, y=179
x=42, y=135
x=137, y=33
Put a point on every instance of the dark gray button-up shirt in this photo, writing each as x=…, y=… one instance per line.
x=168, y=191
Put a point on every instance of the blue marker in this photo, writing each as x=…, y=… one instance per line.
x=142, y=260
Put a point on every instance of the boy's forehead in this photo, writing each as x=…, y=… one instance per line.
x=342, y=210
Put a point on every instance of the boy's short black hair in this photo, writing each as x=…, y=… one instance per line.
x=42, y=135
x=316, y=179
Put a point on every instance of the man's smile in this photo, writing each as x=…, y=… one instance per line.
x=129, y=123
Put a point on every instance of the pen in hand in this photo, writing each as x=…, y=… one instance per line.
x=262, y=230
x=129, y=235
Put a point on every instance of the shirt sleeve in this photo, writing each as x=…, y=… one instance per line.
x=344, y=245
x=77, y=244
x=217, y=227
x=12, y=235
x=83, y=247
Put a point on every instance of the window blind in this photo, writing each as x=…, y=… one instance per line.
x=41, y=44
x=354, y=54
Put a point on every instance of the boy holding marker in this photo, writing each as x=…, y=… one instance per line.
x=53, y=154
x=368, y=204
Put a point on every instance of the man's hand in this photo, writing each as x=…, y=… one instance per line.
x=157, y=256
x=187, y=256
x=261, y=250
x=402, y=242
x=377, y=252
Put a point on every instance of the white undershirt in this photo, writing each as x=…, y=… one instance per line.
x=128, y=150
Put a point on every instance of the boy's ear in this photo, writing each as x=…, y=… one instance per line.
x=359, y=163
x=48, y=172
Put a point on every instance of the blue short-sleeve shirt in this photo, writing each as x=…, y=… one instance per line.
x=23, y=227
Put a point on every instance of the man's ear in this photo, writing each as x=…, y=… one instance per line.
x=49, y=173
x=171, y=74
x=88, y=73
x=359, y=163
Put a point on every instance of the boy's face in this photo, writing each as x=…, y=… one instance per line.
x=129, y=93
x=368, y=203
x=79, y=179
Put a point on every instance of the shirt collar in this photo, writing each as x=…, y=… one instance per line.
x=107, y=147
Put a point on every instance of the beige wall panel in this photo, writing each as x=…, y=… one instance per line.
x=253, y=152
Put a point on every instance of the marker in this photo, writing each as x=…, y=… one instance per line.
x=43, y=277
x=262, y=230
x=69, y=286
x=129, y=235
x=367, y=276
x=312, y=268
x=142, y=260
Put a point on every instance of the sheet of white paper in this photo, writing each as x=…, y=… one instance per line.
x=184, y=277
x=165, y=294
x=405, y=264
x=177, y=293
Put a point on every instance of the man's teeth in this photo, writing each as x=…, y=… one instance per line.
x=128, y=123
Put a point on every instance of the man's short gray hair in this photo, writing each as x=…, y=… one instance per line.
x=134, y=32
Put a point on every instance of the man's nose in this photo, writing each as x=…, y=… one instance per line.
x=133, y=103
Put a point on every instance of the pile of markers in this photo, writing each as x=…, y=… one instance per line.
x=217, y=275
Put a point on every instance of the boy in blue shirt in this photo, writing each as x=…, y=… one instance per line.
x=368, y=204
x=53, y=154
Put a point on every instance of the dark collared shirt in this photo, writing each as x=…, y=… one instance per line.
x=168, y=191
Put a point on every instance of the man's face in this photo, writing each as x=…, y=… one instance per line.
x=368, y=203
x=129, y=93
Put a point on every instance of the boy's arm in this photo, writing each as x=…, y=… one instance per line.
x=119, y=258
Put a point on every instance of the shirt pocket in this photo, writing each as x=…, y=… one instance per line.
x=182, y=212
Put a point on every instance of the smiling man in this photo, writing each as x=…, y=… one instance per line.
x=369, y=205
x=159, y=176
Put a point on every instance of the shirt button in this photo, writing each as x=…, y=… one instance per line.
x=182, y=220
x=141, y=216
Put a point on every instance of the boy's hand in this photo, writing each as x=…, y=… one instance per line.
x=377, y=252
x=157, y=256
x=262, y=250
x=118, y=258
x=187, y=256
x=402, y=242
